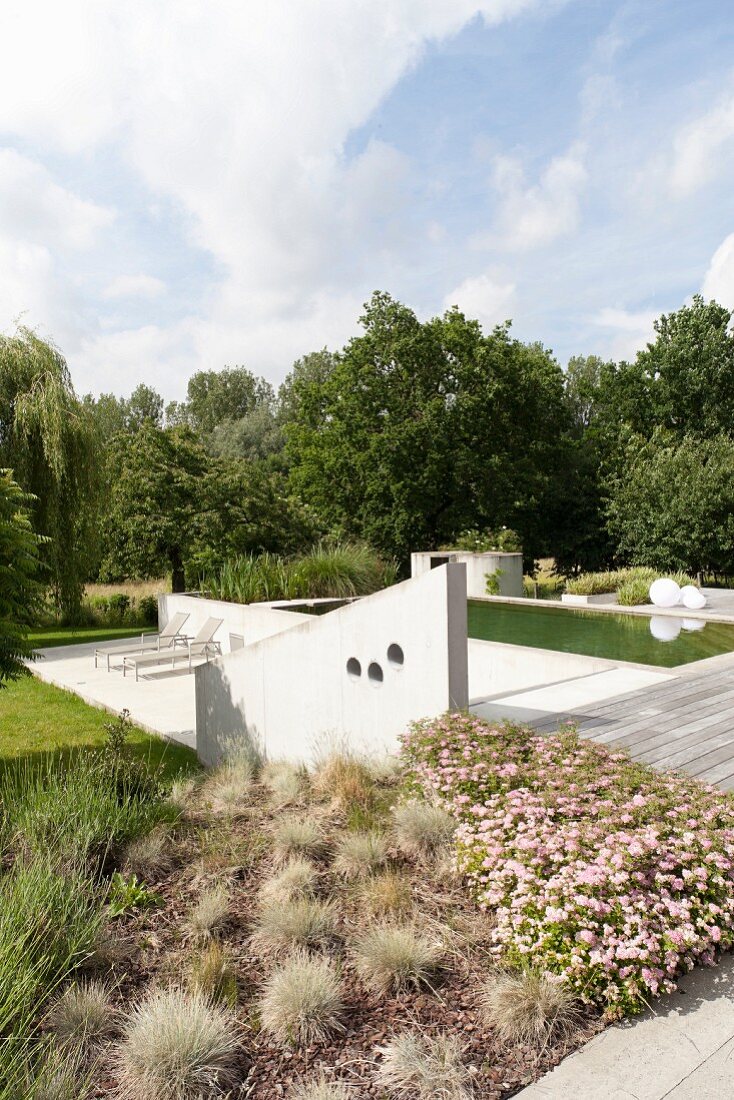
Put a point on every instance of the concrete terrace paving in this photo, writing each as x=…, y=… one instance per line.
x=161, y=701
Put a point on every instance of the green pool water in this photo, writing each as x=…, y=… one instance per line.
x=618, y=637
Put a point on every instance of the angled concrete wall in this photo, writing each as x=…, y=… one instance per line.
x=358, y=675
x=477, y=567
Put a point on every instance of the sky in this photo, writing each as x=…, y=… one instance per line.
x=187, y=185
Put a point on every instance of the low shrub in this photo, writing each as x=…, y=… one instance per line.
x=422, y=829
x=390, y=956
x=210, y=911
x=321, y=1089
x=301, y=1001
x=177, y=1046
x=83, y=1016
x=286, y=783
x=360, y=854
x=528, y=1007
x=599, y=870
x=298, y=836
x=296, y=880
x=303, y=922
x=424, y=1067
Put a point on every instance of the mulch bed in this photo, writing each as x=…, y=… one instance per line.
x=151, y=948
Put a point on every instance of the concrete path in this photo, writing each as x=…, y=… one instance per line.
x=683, y=1050
x=161, y=701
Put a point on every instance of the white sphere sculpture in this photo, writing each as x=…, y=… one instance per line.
x=664, y=629
x=693, y=624
x=664, y=592
x=692, y=597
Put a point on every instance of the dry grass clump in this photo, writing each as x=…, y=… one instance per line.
x=301, y=1001
x=227, y=790
x=421, y=829
x=424, y=1068
x=387, y=895
x=528, y=1007
x=177, y=1046
x=345, y=779
x=83, y=1016
x=360, y=854
x=296, y=880
x=212, y=975
x=210, y=912
x=287, y=783
x=149, y=856
x=389, y=956
x=182, y=791
x=304, y=922
x=321, y=1088
x=385, y=769
x=298, y=836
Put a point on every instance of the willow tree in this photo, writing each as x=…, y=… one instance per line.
x=19, y=567
x=47, y=438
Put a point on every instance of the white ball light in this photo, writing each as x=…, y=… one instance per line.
x=664, y=629
x=694, y=624
x=664, y=592
x=692, y=597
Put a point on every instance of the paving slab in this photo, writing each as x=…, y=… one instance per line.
x=162, y=701
x=682, y=1049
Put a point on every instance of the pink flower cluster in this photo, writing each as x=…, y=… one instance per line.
x=594, y=868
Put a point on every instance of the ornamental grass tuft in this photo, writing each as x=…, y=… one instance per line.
x=596, y=869
x=423, y=1067
x=301, y=1001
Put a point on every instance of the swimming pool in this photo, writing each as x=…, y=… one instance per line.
x=656, y=640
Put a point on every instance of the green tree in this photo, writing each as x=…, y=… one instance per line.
x=20, y=590
x=216, y=396
x=147, y=527
x=48, y=439
x=672, y=504
x=256, y=437
x=417, y=431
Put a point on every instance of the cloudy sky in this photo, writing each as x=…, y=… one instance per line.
x=186, y=184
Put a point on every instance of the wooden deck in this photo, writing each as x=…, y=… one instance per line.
x=686, y=723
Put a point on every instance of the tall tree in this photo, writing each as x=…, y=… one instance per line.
x=20, y=590
x=416, y=431
x=216, y=396
x=47, y=438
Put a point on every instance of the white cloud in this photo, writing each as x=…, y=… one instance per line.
x=236, y=115
x=718, y=282
x=627, y=331
x=484, y=299
x=33, y=207
x=699, y=147
x=134, y=286
x=533, y=216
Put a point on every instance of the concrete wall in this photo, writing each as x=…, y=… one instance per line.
x=320, y=680
x=496, y=668
x=477, y=568
x=251, y=622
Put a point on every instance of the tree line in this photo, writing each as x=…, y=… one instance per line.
x=414, y=432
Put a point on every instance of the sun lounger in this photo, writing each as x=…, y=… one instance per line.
x=202, y=645
x=169, y=636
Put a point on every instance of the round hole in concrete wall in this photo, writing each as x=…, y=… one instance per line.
x=375, y=675
x=354, y=668
x=395, y=655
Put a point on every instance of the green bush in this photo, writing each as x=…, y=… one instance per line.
x=335, y=570
x=632, y=585
x=500, y=539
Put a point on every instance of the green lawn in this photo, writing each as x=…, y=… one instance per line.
x=38, y=719
x=43, y=637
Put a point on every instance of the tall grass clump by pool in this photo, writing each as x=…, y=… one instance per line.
x=632, y=585
x=599, y=870
x=336, y=570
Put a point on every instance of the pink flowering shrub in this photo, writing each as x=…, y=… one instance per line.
x=594, y=868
